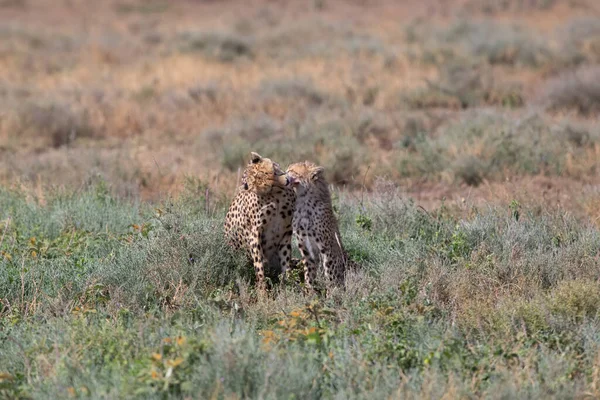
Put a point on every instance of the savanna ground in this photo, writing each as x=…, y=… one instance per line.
x=462, y=138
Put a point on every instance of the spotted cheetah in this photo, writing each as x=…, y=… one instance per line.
x=259, y=219
x=315, y=226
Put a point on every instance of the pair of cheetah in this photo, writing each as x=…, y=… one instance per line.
x=272, y=205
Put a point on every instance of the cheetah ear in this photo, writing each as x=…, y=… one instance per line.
x=255, y=157
x=316, y=173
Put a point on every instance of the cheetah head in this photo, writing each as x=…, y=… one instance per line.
x=262, y=174
x=306, y=174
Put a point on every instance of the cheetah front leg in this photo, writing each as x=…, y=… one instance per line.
x=331, y=259
x=258, y=259
x=308, y=261
x=285, y=251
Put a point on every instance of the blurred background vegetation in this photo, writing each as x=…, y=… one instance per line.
x=437, y=96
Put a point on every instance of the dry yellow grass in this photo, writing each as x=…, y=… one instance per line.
x=119, y=67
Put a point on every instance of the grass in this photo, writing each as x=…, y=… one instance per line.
x=106, y=298
x=493, y=144
x=464, y=85
x=137, y=99
x=493, y=7
x=220, y=46
x=580, y=40
x=497, y=44
x=51, y=125
x=288, y=140
x=121, y=141
x=577, y=90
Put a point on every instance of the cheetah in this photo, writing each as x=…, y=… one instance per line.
x=315, y=226
x=259, y=219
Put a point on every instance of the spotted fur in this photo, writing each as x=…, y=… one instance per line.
x=259, y=219
x=315, y=226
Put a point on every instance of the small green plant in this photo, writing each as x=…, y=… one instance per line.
x=515, y=209
x=459, y=246
x=308, y=325
x=364, y=222
x=169, y=366
x=10, y=386
x=576, y=89
x=223, y=47
x=470, y=170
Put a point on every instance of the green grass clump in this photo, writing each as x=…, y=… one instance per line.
x=573, y=90
x=488, y=41
x=223, y=47
x=580, y=40
x=489, y=145
x=331, y=141
x=293, y=89
x=464, y=85
x=48, y=123
x=117, y=299
x=493, y=7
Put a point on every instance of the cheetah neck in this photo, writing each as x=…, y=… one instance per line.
x=317, y=192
